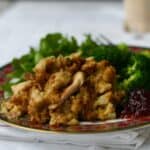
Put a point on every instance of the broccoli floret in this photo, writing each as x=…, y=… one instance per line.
x=56, y=44
x=133, y=80
x=137, y=73
x=117, y=55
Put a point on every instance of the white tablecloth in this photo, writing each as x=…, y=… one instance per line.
x=25, y=22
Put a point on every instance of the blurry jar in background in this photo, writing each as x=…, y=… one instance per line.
x=137, y=15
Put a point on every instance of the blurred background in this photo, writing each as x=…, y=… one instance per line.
x=24, y=22
x=5, y=3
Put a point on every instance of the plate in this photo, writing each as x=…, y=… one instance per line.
x=83, y=127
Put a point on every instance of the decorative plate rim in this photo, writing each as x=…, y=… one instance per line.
x=25, y=128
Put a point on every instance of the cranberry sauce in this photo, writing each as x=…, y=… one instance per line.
x=138, y=104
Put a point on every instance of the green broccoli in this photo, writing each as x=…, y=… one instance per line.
x=137, y=73
x=56, y=44
x=117, y=55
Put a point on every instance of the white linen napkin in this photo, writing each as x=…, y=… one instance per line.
x=131, y=139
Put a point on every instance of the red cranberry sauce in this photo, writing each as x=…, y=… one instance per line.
x=138, y=104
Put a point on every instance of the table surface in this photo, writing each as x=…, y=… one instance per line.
x=22, y=25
